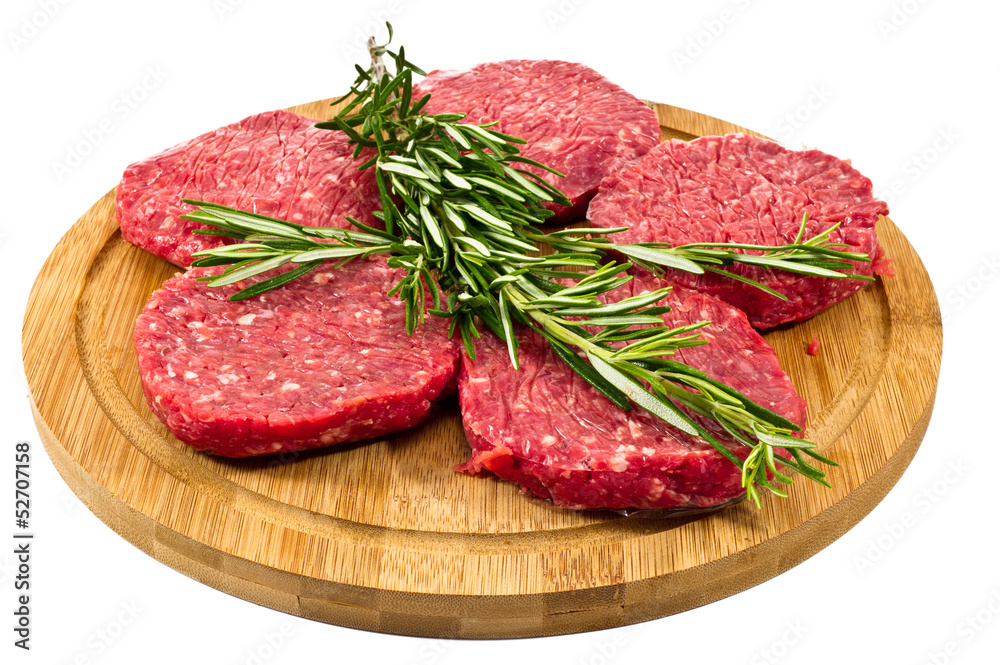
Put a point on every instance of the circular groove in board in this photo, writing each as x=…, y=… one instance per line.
x=383, y=536
x=227, y=479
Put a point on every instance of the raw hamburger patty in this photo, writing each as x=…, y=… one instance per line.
x=274, y=163
x=552, y=433
x=574, y=120
x=742, y=189
x=323, y=360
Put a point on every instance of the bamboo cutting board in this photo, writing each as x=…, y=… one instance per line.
x=384, y=536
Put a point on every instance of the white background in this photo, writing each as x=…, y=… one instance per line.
x=907, y=90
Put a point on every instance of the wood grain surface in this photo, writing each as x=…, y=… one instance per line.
x=384, y=536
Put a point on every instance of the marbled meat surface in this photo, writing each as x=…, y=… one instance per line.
x=322, y=360
x=742, y=189
x=573, y=119
x=275, y=164
x=556, y=436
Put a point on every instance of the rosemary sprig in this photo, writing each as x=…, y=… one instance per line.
x=817, y=256
x=461, y=214
x=534, y=291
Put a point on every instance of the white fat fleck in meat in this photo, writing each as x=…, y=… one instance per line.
x=190, y=375
x=195, y=324
x=549, y=440
x=290, y=386
x=271, y=376
x=617, y=463
x=215, y=397
x=246, y=319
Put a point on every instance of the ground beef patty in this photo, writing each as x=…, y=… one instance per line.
x=742, y=189
x=574, y=120
x=274, y=163
x=552, y=433
x=322, y=360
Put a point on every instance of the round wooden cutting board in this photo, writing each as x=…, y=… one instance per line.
x=384, y=536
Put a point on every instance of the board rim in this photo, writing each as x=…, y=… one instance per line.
x=249, y=580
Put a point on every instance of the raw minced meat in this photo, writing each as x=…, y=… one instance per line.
x=323, y=360
x=742, y=189
x=275, y=164
x=546, y=429
x=573, y=119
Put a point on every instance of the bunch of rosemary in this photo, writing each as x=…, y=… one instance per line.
x=461, y=216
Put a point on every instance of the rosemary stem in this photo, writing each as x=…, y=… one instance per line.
x=461, y=212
